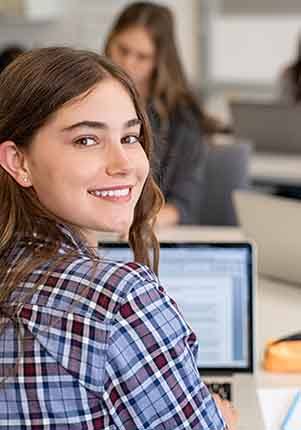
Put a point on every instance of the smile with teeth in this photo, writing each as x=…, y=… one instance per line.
x=113, y=194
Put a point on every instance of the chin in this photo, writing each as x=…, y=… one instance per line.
x=120, y=227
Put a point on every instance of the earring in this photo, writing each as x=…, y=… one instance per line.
x=25, y=178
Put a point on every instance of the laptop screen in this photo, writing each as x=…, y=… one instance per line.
x=213, y=287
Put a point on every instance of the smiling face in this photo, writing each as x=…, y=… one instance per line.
x=87, y=164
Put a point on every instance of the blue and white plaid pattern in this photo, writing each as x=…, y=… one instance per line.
x=109, y=351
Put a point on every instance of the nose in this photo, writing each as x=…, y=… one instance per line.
x=129, y=63
x=118, y=162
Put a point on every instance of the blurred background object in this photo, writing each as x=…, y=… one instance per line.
x=8, y=54
x=290, y=78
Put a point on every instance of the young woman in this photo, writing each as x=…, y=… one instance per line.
x=85, y=342
x=142, y=41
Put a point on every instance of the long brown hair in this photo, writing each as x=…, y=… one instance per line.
x=32, y=89
x=169, y=87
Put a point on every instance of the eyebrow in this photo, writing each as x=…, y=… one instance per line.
x=101, y=125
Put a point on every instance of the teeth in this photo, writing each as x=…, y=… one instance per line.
x=112, y=193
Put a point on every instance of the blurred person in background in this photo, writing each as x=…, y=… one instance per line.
x=142, y=41
x=290, y=92
x=8, y=54
x=290, y=79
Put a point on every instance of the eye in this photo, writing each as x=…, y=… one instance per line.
x=130, y=139
x=123, y=51
x=86, y=141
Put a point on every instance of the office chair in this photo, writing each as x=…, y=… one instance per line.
x=226, y=170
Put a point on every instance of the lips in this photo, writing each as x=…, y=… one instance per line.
x=116, y=193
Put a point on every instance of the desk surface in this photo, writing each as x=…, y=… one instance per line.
x=273, y=169
x=200, y=233
x=278, y=311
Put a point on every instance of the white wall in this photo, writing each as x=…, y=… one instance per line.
x=188, y=16
x=84, y=24
x=252, y=49
x=242, y=47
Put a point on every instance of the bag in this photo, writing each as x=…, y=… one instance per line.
x=283, y=355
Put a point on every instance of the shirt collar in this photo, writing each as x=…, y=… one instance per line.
x=74, y=241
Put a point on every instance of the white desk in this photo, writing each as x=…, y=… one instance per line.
x=199, y=233
x=279, y=310
x=275, y=169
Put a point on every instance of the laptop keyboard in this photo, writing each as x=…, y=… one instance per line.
x=222, y=389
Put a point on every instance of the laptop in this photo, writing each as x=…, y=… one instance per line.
x=273, y=127
x=213, y=285
x=274, y=224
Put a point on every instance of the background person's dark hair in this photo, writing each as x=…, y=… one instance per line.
x=294, y=73
x=9, y=54
x=169, y=87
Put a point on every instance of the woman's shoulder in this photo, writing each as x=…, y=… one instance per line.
x=96, y=285
x=185, y=115
x=183, y=112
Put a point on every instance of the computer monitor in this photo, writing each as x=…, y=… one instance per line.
x=275, y=230
x=212, y=284
x=272, y=127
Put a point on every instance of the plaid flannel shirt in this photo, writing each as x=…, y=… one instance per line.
x=103, y=351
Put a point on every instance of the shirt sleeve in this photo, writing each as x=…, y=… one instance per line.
x=151, y=378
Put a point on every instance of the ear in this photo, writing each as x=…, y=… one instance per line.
x=12, y=159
